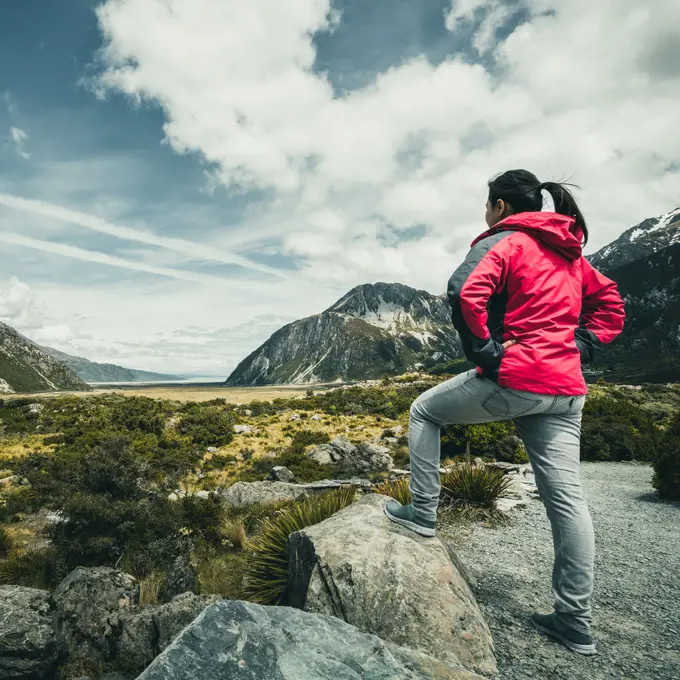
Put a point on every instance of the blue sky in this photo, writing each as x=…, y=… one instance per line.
x=179, y=178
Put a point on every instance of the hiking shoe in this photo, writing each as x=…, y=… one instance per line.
x=549, y=624
x=404, y=515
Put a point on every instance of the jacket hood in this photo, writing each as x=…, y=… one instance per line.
x=558, y=232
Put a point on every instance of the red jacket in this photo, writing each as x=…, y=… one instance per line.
x=526, y=279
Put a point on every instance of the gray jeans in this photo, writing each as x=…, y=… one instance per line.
x=550, y=428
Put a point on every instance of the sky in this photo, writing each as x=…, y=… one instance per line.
x=180, y=178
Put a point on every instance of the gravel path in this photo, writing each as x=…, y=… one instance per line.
x=637, y=589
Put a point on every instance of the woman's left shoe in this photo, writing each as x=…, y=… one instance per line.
x=549, y=624
x=405, y=515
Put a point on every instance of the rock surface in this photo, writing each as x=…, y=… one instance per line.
x=279, y=473
x=144, y=632
x=242, y=494
x=243, y=429
x=86, y=600
x=325, y=454
x=243, y=641
x=367, y=458
x=28, y=643
x=385, y=580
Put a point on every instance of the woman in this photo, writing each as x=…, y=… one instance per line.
x=529, y=309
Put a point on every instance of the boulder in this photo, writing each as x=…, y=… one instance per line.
x=294, y=417
x=367, y=458
x=243, y=429
x=242, y=494
x=316, y=417
x=28, y=640
x=389, y=441
x=244, y=641
x=343, y=445
x=325, y=454
x=87, y=600
x=390, y=582
x=181, y=578
x=212, y=449
x=395, y=431
x=144, y=632
x=279, y=473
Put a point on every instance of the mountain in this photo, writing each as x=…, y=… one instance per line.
x=373, y=330
x=648, y=237
x=648, y=349
x=25, y=367
x=92, y=372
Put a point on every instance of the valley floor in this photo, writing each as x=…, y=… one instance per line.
x=637, y=596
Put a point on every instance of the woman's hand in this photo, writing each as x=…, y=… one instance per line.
x=509, y=343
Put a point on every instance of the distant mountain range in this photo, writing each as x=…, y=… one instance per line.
x=387, y=328
x=92, y=372
x=26, y=367
x=373, y=330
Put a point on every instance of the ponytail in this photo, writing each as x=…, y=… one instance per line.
x=565, y=204
x=522, y=191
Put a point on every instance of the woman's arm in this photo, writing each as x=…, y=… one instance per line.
x=602, y=312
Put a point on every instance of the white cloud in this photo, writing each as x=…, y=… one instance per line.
x=19, y=138
x=578, y=90
x=17, y=304
x=581, y=89
x=186, y=248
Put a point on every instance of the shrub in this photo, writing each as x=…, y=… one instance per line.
x=397, y=489
x=304, y=438
x=150, y=587
x=667, y=465
x=474, y=485
x=617, y=429
x=401, y=456
x=484, y=440
x=219, y=461
x=266, y=576
x=30, y=568
x=208, y=426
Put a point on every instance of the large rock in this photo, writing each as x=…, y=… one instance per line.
x=343, y=445
x=28, y=641
x=87, y=601
x=242, y=494
x=388, y=581
x=325, y=454
x=142, y=633
x=244, y=641
x=367, y=458
x=280, y=473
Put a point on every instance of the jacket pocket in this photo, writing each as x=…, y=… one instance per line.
x=506, y=403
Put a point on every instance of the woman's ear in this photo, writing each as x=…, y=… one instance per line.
x=500, y=207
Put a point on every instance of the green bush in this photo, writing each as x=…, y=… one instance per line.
x=667, y=465
x=304, y=438
x=617, y=429
x=476, y=486
x=207, y=426
x=487, y=440
x=266, y=575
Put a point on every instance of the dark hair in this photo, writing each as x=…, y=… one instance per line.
x=522, y=190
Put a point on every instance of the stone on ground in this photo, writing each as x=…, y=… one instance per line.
x=367, y=458
x=181, y=578
x=244, y=641
x=87, y=600
x=243, y=494
x=144, y=632
x=280, y=473
x=28, y=642
x=388, y=581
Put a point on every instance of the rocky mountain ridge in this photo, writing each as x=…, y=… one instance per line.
x=644, y=239
x=25, y=367
x=94, y=372
x=374, y=329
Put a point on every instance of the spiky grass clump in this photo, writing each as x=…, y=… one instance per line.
x=266, y=576
x=397, y=489
x=234, y=531
x=470, y=486
x=30, y=568
x=6, y=543
x=150, y=587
